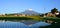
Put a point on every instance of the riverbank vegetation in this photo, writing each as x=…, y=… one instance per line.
x=55, y=22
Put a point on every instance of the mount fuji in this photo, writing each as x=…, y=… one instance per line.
x=30, y=12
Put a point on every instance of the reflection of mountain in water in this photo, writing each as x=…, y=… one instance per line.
x=34, y=24
x=28, y=22
x=9, y=24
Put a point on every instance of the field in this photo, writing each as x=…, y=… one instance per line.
x=20, y=18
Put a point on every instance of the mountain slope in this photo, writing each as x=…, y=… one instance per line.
x=30, y=12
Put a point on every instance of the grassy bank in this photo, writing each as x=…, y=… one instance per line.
x=15, y=18
x=19, y=17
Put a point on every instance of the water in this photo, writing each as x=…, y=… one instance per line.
x=39, y=24
x=10, y=24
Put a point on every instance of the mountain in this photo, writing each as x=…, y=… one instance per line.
x=30, y=12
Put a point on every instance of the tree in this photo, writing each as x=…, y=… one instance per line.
x=53, y=11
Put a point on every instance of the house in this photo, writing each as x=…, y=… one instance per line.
x=50, y=14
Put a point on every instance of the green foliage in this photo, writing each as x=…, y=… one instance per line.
x=15, y=18
x=54, y=10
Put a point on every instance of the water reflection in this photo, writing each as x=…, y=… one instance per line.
x=39, y=24
x=10, y=24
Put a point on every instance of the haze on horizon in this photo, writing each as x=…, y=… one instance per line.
x=17, y=6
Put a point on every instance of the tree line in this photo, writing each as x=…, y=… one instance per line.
x=56, y=12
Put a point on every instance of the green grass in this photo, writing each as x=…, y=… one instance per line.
x=15, y=18
x=19, y=17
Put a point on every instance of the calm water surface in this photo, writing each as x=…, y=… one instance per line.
x=10, y=24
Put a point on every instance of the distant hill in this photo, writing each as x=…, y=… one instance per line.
x=30, y=12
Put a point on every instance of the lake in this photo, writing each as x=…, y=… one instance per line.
x=22, y=24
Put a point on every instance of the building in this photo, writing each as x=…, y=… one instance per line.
x=50, y=15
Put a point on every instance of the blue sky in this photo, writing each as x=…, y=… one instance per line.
x=17, y=6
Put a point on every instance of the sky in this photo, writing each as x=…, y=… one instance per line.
x=18, y=6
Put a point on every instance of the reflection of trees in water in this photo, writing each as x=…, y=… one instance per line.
x=56, y=25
